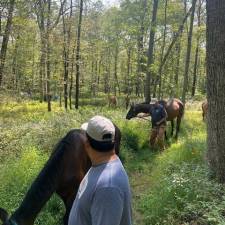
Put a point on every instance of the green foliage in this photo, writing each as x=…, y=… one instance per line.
x=181, y=191
x=17, y=176
x=170, y=187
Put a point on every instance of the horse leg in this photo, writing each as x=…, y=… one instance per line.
x=172, y=125
x=166, y=138
x=178, y=127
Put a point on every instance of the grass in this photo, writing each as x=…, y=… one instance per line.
x=170, y=187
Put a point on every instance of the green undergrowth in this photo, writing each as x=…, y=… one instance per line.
x=17, y=176
x=181, y=192
x=169, y=187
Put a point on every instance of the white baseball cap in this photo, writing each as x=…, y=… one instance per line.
x=100, y=129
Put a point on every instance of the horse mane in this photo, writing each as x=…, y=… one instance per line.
x=46, y=182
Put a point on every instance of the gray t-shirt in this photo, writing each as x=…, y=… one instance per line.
x=104, y=197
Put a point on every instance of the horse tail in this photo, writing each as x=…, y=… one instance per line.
x=181, y=110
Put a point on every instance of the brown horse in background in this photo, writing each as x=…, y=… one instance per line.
x=174, y=108
x=127, y=101
x=62, y=174
x=204, y=109
x=112, y=101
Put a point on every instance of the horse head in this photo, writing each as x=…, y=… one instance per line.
x=132, y=112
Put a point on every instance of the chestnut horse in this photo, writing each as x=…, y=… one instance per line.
x=112, y=101
x=204, y=109
x=174, y=108
x=62, y=174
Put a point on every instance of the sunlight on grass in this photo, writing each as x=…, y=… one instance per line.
x=169, y=187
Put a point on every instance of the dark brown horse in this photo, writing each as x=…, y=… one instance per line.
x=62, y=174
x=204, y=109
x=174, y=108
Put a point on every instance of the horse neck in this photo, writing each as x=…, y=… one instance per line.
x=143, y=108
x=40, y=191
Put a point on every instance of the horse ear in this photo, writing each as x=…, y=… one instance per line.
x=3, y=215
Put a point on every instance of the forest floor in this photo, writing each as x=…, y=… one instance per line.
x=169, y=188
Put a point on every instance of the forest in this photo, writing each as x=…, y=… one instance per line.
x=65, y=61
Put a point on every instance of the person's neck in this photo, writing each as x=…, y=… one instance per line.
x=99, y=157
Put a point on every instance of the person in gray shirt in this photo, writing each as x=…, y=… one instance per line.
x=104, y=196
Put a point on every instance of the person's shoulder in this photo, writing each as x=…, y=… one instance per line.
x=114, y=174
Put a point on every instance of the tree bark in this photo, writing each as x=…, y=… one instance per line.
x=6, y=39
x=215, y=53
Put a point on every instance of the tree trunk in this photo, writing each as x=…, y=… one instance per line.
x=150, y=52
x=215, y=53
x=196, y=51
x=140, y=47
x=71, y=76
x=127, y=77
x=162, y=53
x=48, y=83
x=188, y=55
x=116, y=81
x=177, y=68
x=42, y=66
x=14, y=64
x=195, y=70
x=78, y=56
x=6, y=39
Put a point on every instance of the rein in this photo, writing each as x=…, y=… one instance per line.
x=143, y=118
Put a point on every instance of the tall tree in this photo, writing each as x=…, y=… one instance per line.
x=6, y=38
x=162, y=54
x=78, y=56
x=197, y=49
x=140, y=46
x=188, y=54
x=46, y=23
x=66, y=50
x=48, y=52
x=215, y=52
x=150, y=52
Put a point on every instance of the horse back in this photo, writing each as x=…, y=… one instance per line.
x=174, y=108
